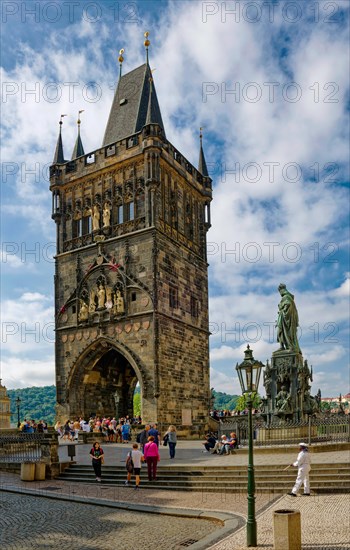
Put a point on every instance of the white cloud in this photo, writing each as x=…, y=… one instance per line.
x=222, y=382
x=19, y=373
x=27, y=326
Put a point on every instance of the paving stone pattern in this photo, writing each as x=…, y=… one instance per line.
x=29, y=522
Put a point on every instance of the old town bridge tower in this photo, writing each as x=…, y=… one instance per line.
x=131, y=286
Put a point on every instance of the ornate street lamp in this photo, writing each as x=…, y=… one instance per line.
x=18, y=404
x=249, y=372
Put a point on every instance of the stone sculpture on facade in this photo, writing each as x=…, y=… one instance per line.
x=101, y=294
x=84, y=311
x=106, y=215
x=119, y=303
x=92, y=301
x=95, y=218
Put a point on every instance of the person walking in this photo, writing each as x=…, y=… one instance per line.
x=303, y=463
x=97, y=456
x=144, y=437
x=153, y=431
x=136, y=457
x=172, y=440
x=151, y=454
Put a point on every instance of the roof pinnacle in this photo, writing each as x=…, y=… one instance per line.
x=121, y=59
x=59, y=157
x=78, y=150
x=202, y=165
x=147, y=43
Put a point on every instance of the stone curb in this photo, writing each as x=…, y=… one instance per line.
x=229, y=522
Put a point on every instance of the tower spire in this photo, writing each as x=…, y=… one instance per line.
x=202, y=165
x=78, y=150
x=147, y=44
x=59, y=157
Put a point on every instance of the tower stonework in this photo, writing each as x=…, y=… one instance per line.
x=131, y=285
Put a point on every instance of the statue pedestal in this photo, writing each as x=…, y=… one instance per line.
x=286, y=434
x=284, y=367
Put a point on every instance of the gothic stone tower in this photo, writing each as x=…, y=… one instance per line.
x=131, y=287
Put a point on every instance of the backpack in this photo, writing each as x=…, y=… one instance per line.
x=129, y=464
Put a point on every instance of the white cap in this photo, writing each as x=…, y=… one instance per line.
x=302, y=445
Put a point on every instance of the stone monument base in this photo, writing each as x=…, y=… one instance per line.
x=286, y=433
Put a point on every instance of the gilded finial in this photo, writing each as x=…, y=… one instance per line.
x=61, y=122
x=79, y=121
x=121, y=59
x=146, y=43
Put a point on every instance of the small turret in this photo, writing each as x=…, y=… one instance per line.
x=202, y=165
x=78, y=150
x=59, y=156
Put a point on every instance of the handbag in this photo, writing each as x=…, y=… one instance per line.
x=129, y=464
x=102, y=459
x=165, y=440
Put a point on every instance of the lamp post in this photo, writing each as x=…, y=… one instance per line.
x=249, y=372
x=18, y=404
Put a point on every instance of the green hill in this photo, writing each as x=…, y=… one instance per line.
x=224, y=401
x=39, y=403
x=36, y=402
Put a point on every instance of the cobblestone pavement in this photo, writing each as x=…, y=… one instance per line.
x=325, y=519
x=325, y=524
x=31, y=522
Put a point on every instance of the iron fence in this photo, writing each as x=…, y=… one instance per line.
x=315, y=430
x=21, y=448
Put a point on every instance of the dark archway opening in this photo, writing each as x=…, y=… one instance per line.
x=110, y=386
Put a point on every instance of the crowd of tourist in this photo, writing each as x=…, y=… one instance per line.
x=31, y=426
x=114, y=430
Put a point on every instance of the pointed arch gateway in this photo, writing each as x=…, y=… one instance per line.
x=103, y=379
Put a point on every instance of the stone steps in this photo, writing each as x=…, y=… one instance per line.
x=326, y=478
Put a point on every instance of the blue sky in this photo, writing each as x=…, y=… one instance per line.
x=269, y=83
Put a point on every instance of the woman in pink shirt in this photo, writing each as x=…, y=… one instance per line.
x=151, y=454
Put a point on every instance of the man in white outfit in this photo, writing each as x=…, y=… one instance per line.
x=303, y=463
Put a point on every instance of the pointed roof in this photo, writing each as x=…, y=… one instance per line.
x=78, y=150
x=59, y=157
x=202, y=165
x=131, y=104
x=152, y=107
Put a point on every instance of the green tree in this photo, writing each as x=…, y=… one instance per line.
x=242, y=402
x=137, y=404
x=224, y=401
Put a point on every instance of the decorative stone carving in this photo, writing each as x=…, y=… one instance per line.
x=95, y=218
x=283, y=401
x=106, y=215
x=101, y=294
x=268, y=379
x=84, y=311
x=119, y=303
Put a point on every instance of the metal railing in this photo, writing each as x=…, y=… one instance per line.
x=315, y=430
x=20, y=448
